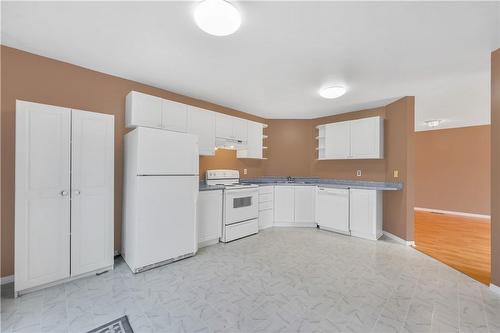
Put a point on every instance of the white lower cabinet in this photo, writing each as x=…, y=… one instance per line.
x=295, y=205
x=266, y=207
x=365, y=213
x=209, y=217
x=64, y=194
x=305, y=205
x=283, y=204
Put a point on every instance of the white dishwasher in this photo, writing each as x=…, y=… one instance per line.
x=332, y=209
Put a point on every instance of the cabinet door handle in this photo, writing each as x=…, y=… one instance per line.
x=76, y=192
x=63, y=193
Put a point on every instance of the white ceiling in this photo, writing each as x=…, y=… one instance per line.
x=283, y=53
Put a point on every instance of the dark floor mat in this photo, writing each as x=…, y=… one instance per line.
x=120, y=325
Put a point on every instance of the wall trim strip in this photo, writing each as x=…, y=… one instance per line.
x=495, y=289
x=6, y=279
x=449, y=212
x=398, y=239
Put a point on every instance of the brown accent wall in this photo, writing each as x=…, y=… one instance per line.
x=452, y=169
x=290, y=145
x=226, y=159
x=400, y=155
x=38, y=79
x=495, y=167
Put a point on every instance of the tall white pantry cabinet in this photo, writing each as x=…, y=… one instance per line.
x=64, y=194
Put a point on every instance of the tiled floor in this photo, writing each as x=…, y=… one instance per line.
x=282, y=280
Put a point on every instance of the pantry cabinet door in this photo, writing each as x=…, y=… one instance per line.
x=92, y=239
x=42, y=201
x=202, y=123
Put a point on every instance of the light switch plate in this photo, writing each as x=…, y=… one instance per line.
x=358, y=173
x=245, y=171
x=396, y=173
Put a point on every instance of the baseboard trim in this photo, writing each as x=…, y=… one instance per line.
x=296, y=225
x=208, y=243
x=398, y=239
x=449, y=212
x=25, y=291
x=6, y=279
x=495, y=289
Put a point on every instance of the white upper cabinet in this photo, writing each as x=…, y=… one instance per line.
x=254, y=147
x=367, y=138
x=240, y=129
x=354, y=139
x=174, y=116
x=151, y=111
x=337, y=144
x=224, y=126
x=202, y=123
x=229, y=127
x=143, y=110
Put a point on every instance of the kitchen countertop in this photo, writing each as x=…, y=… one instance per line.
x=311, y=181
x=205, y=187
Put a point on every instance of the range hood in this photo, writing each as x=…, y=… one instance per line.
x=226, y=143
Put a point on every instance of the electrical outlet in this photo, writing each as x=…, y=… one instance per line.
x=358, y=173
x=245, y=171
x=396, y=173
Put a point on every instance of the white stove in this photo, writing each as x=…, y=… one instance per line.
x=240, y=204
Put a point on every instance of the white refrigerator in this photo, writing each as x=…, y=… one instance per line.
x=160, y=195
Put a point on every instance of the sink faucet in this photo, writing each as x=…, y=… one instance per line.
x=289, y=179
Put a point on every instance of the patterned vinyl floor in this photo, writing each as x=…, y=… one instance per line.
x=281, y=280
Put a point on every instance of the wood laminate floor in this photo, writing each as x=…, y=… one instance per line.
x=460, y=242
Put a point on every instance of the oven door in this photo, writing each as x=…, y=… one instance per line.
x=241, y=205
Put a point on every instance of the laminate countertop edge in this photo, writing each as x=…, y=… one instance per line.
x=328, y=183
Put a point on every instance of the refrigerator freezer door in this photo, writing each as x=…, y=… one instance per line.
x=161, y=152
x=166, y=217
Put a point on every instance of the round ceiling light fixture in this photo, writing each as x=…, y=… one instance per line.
x=217, y=17
x=332, y=91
